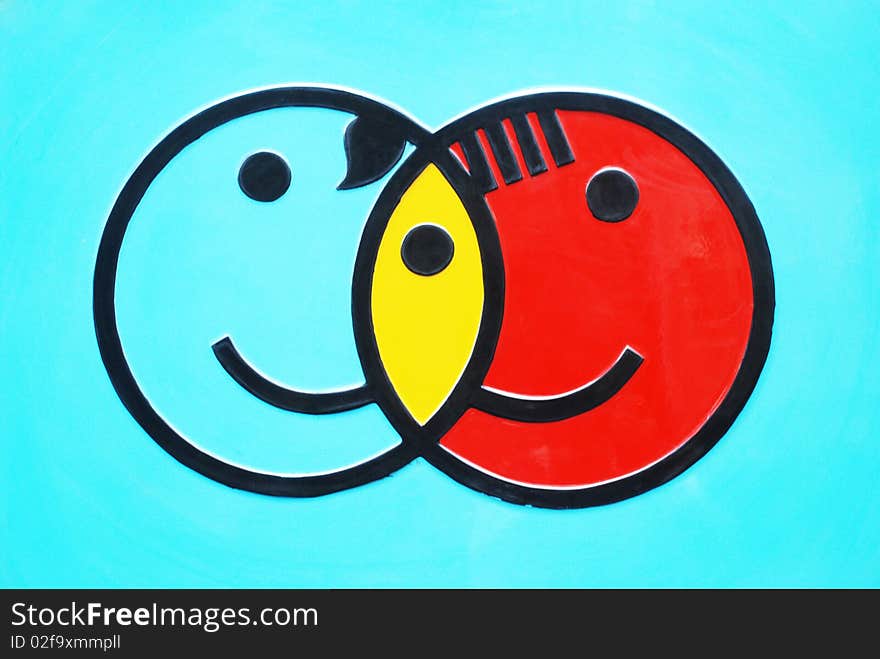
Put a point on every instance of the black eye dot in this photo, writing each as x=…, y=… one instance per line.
x=264, y=176
x=427, y=249
x=612, y=195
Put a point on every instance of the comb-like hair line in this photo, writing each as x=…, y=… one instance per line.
x=528, y=144
x=503, y=152
x=477, y=163
x=555, y=136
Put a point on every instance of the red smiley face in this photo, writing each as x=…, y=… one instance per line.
x=635, y=236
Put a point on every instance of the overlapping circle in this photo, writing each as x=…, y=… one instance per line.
x=560, y=299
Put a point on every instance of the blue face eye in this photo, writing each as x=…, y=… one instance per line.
x=612, y=195
x=264, y=176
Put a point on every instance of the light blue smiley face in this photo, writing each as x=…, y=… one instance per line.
x=202, y=260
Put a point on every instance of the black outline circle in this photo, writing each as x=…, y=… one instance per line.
x=758, y=346
x=424, y=440
x=107, y=261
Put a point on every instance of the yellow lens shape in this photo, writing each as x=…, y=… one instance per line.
x=426, y=326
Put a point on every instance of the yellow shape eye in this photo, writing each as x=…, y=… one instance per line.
x=427, y=249
x=427, y=294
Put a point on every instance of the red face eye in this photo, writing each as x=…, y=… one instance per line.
x=612, y=195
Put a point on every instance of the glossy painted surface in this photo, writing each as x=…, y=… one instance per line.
x=786, y=94
x=671, y=281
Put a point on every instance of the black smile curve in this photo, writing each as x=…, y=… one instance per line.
x=279, y=396
x=556, y=408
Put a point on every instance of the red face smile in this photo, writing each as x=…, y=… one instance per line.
x=627, y=244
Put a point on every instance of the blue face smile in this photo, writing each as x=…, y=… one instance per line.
x=224, y=243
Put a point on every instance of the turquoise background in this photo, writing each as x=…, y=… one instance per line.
x=787, y=94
